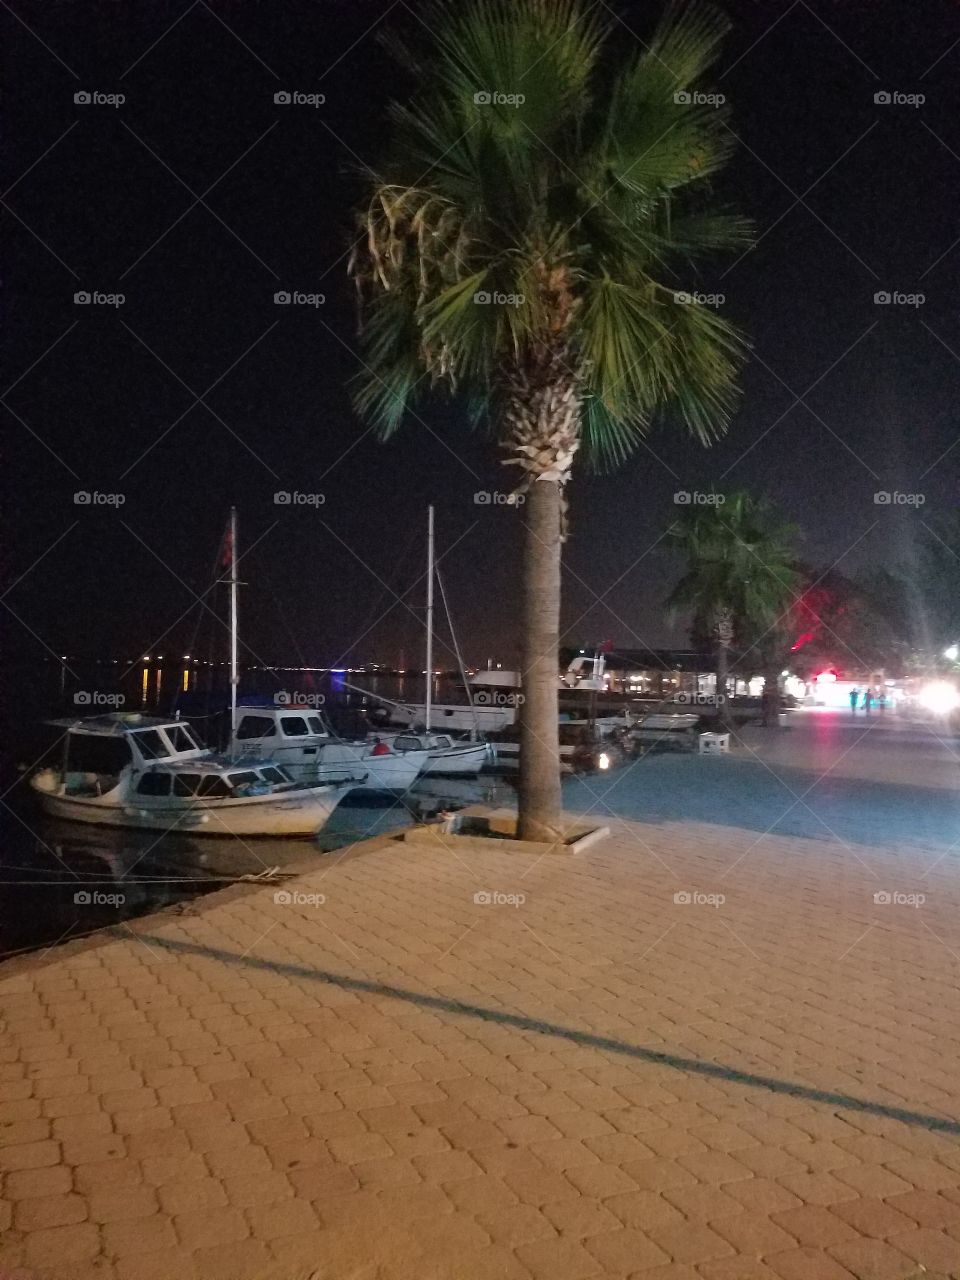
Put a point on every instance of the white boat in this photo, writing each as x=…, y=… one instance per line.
x=302, y=742
x=494, y=696
x=128, y=770
x=453, y=716
x=445, y=755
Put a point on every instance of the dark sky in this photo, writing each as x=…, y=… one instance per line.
x=850, y=197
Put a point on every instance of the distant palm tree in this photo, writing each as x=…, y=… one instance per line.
x=519, y=248
x=741, y=583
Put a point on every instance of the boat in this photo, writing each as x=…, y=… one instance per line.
x=454, y=716
x=301, y=740
x=152, y=774
x=494, y=698
x=447, y=755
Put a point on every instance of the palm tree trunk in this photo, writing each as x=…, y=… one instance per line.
x=539, y=798
x=723, y=630
x=771, y=696
x=723, y=667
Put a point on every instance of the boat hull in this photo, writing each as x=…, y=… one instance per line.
x=458, y=762
x=460, y=719
x=300, y=813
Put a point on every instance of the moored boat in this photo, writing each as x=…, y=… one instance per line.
x=129, y=770
x=302, y=741
x=445, y=755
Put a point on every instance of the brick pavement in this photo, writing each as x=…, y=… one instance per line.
x=597, y=1082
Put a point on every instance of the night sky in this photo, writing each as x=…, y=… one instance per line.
x=198, y=198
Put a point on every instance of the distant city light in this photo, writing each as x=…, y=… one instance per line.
x=940, y=697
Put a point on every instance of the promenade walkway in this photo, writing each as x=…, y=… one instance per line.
x=721, y=1045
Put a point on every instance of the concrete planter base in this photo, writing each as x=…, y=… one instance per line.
x=485, y=831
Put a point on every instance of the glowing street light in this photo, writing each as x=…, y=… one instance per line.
x=952, y=653
x=940, y=697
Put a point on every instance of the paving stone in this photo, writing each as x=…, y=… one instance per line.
x=513, y=1225
x=548, y=1259
x=873, y=1259
x=39, y=1212
x=935, y=1250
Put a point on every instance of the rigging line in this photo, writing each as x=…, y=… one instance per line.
x=456, y=649
x=200, y=615
x=375, y=610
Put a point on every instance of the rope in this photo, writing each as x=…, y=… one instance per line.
x=456, y=649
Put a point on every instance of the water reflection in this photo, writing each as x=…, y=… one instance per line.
x=63, y=880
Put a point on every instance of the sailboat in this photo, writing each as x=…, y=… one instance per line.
x=130, y=770
x=446, y=755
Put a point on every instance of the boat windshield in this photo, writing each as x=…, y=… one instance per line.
x=274, y=773
x=150, y=745
x=181, y=739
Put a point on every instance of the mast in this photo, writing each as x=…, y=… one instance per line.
x=234, y=674
x=429, y=663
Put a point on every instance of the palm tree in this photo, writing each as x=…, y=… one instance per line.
x=741, y=582
x=519, y=248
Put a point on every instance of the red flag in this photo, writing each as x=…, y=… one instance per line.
x=226, y=554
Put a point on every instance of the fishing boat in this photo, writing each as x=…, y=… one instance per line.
x=153, y=774
x=130, y=770
x=301, y=740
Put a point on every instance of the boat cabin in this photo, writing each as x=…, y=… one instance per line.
x=299, y=738
x=210, y=780
x=97, y=749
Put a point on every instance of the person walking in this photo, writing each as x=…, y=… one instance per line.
x=882, y=701
x=867, y=700
x=854, y=696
